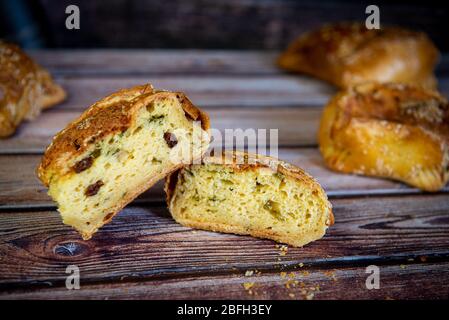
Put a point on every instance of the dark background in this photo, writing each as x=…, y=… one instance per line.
x=212, y=24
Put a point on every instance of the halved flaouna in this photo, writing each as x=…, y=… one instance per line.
x=117, y=149
x=251, y=195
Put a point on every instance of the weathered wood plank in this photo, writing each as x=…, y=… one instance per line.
x=212, y=91
x=134, y=61
x=144, y=242
x=20, y=188
x=285, y=103
x=206, y=91
x=297, y=126
x=411, y=281
x=96, y=62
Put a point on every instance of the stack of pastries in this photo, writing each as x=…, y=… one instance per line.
x=388, y=120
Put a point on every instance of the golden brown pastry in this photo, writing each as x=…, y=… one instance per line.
x=117, y=149
x=395, y=131
x=346, y=54
x=250, y=194
x=25, y=88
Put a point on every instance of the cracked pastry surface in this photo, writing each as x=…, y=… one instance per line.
x=391, y=130
x=250, y=195
x=25, y=88
x=346, y=54
x=117, y=149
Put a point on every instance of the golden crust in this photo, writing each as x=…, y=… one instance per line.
x=395, y=131
x=25, y=88
x=96, y=123
x=346, y=54
x=244, y=161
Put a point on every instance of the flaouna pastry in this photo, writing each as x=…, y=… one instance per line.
x=25, y=89
x=395, y=131
x=346, y=54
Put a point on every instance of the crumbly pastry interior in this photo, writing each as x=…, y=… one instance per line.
x=255, y=200
x=100, y=181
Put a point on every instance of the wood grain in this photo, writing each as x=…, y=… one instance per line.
x=206, y=91
x=144, y=242
x=297, y=126
x=20, y=188
x=210, y=92
x=292, y=105
x=134, y=61
x=407, y=281
x=113, y=62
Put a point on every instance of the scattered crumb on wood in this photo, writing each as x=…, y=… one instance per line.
x=283, y=250
x=331, y=275
x=291, y=284
x=310, y=296
x=248, y=285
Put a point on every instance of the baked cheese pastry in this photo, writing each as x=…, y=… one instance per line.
x=25, y=88
x=391, y=130
x=346, y=54
x=118, y=148
x=251, y=195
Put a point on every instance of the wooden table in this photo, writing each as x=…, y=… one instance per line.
x=143, y=253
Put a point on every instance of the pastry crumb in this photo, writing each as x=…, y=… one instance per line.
x=248, y=285
x=249, y=273
x=283, y=250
